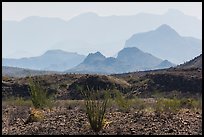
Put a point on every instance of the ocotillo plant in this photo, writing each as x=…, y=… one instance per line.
x=39, y=96
x=96, y=106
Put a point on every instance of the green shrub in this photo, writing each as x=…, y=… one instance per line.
x=96, y=108
x=197, y=103
x=123, y=104
x=191, y=103
x=139, y=103
x=19, y=101
x=173, y=105
x=22, y=102
x=167, y=105
x=39, y=96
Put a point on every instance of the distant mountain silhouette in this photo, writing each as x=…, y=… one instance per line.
x=166, y=43
x=55, y=60
x=165, y=64
x=128, y=59
x=89, y=30
x=136, y=59
x=93, y=63
x=94, y=58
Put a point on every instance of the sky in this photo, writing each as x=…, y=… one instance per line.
x=66, y=10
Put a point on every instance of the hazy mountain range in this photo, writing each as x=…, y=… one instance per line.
x=20, y=72
x=128, y=60
x=88, y=32
x=56, y=60
x=144, y=51
x=164, y=42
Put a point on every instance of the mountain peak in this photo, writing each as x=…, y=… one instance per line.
x=129, y=51
x=92, y=57
x=174, y=12
x=166, y=29
x=133, y=55
x=135, y=49
x=55, y=51
x=165, y=64
x=96, y=54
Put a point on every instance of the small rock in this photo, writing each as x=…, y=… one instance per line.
x=198, y=117
x=197, y=112
x=132, y=131
x=170, y=130
x=187, y=111
x=62, y=124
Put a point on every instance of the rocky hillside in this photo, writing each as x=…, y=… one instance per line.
x=183, y=82
x=96, y=82
x=21, y=72
x=194, y=63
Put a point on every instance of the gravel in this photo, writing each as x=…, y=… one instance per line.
x=64, y=121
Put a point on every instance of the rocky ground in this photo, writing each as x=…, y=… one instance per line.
x=73, y=121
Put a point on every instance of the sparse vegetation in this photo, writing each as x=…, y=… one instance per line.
x=40, y=100
x=139, y=104
x=19, y=101
x=175, y=104
x=39, y=96
x=167, y=105
x=95, y=108
x=191, y=103
x=123, y=104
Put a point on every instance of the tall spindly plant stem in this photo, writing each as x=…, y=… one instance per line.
x=96, y=106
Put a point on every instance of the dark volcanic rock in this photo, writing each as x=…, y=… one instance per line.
x=168, y=82
x=14, y=89
x=96, y=82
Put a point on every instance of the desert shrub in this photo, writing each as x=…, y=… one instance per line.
x=22, y=102
x=139, y=104
x=197, y=103
x=96, y=108
x=173, y=105
x=123, y=104
x=167, y=105
x=19, y=101
x=191, y=103
x=39, y=96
